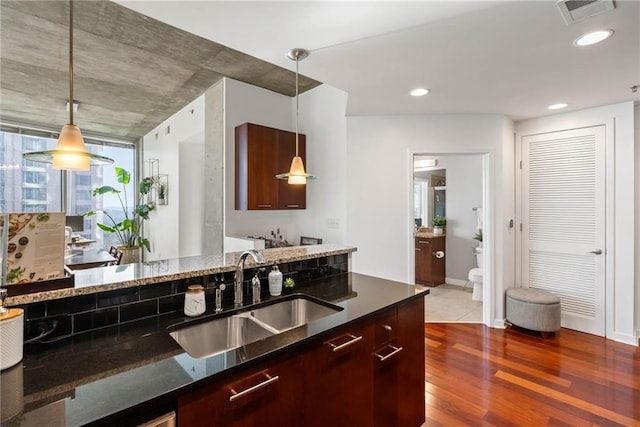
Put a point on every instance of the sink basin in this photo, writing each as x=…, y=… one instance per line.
x=211, y=337
x=292, y=313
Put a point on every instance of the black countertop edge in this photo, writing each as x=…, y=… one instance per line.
x=365, y=296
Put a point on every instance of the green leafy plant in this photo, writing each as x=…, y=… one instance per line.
x=478, y=236
x=439, y=221
x=161, y=190
x=289, y=282
x=128, y=231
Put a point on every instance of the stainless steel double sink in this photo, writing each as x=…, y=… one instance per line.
x=206, y=338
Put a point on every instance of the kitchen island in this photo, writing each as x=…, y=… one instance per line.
x=130, y=373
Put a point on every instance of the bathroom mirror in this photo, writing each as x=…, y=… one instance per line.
x=429, y=190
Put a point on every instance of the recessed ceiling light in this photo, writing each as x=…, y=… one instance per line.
x=593, y=38
x=557, y=106
x=419, y=92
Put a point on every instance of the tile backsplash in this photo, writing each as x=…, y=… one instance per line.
x=83, y=313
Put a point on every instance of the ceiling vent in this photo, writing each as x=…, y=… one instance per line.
x=578, y=10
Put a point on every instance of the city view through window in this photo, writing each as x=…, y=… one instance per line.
x=27, y=186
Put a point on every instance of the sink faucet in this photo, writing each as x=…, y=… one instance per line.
x=239, y=276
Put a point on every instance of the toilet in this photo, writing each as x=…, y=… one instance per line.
x=475, y=276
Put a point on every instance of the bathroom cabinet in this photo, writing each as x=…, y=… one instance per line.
x=261, y=153
x=430, y=270
x=367, y=373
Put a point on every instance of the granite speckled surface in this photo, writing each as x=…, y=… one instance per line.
x=109, y=376
x=427, y=235
x=104, y=279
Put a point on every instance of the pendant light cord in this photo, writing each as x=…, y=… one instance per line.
x=70, y=62
x=297, y=61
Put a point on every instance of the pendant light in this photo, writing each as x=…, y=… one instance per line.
x=70, y=152
x=296, y=174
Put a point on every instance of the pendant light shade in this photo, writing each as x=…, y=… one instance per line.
x=297, y=174
x=70, y=152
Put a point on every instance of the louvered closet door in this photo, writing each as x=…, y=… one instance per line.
x=563, y=178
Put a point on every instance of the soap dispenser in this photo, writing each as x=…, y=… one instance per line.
x=275, y=281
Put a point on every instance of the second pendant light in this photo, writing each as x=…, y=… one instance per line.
x=297, y=174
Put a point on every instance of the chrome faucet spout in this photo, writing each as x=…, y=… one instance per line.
x=239, y=276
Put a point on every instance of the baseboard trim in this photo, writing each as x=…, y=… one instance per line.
x=625, y=339
x=457, y=282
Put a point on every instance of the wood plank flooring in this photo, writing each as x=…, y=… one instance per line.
x=478, y=376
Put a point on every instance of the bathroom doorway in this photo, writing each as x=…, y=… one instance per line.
x=451, y=187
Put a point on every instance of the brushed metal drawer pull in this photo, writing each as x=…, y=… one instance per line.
x=238, y=394
x=264, y=206
x=418, y=249
x=293, y=206
x=424, y=241
x=354, y=340
x=395, y=351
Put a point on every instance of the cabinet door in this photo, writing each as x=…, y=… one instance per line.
x=338, y=372
x=256, y=167
x=411, y=364
x=438, y=265
x=386, y=370
x=423, y=261
x=290, y=196
x=265, y=395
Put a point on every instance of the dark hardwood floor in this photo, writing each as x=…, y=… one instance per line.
x=492, y=377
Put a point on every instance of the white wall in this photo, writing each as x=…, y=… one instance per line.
x=622, y=282
x=322, y=115
x=637, y=216
x=379, y=223
x=191, y=153
x=464, y=192
x=164, y=227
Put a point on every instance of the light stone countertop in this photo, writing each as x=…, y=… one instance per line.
x=427, y=235
x=104, y=279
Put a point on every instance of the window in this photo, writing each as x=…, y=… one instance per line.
x=27, y=186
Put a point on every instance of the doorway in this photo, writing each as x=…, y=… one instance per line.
x=451, y=186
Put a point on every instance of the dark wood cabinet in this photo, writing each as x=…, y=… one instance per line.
x=261, y=153
x=398, y=359
x=411, y=375
x=369, y=373
x=264, y=395
x=338, y=374
x=430, y=270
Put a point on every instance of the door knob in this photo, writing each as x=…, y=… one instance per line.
x=596, y=251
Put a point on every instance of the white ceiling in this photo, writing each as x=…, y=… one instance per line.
x=511, y=57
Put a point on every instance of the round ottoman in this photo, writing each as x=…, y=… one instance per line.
x=533, y=309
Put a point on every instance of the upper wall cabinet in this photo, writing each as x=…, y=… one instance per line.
x=262, y=153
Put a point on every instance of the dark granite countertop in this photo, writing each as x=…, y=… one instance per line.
x=106, y=376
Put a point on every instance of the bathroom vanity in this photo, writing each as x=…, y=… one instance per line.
x=430, y=259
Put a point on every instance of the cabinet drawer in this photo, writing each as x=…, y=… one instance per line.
x=385, y=328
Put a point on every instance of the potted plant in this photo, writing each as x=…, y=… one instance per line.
x=439, y=223
x=289, y=284
x=128, y=231
x=478, y=237
x=161, y=193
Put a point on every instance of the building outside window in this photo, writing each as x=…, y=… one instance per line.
x=27, y=186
